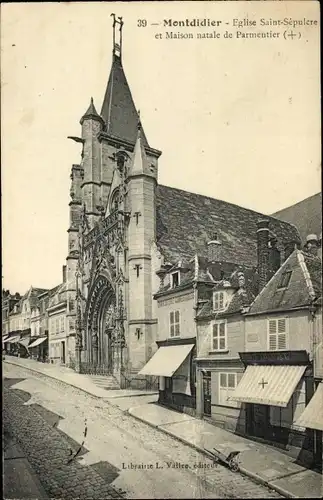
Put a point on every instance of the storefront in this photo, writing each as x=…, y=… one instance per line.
x=275, y=389
x=23, y=343
x=216, y=382
x=39, y=349
x=11, y=345
x=312, y=418
x=174, y=363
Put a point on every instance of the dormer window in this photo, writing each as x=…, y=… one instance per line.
x=174, y=279
x=285, y=279
x=219, y=300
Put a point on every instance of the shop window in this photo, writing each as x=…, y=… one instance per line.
x=227, y=385
x=174, y=320
x=219, y=336
x=277, y=334
x=219, y=301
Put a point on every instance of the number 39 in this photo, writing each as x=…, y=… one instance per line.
x=141, y=23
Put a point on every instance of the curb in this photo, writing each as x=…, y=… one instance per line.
x=242, y=470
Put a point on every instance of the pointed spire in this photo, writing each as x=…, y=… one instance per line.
x=118, y=109
x=140, y=162
x=91, y=113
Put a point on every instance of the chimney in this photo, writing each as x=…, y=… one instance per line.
x=289, y=248
x=312, y=244
x=214, y=249
x=64, y=274
x=263, y=252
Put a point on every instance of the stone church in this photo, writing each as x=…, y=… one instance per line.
x=126, y=230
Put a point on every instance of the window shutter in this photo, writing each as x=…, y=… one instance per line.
x=221, y=300
x=272, y=342
x=222, y=329
x=281, y=325
x=272, y=326
x=177, y=328
x=176, y=316
x=282, y=341
x=172, y=317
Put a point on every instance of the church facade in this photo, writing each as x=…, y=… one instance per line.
x=126, y=231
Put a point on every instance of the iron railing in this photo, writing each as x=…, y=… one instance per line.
x=148, y=383
x=92, y=369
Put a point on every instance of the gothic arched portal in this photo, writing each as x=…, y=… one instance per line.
x=100, y=322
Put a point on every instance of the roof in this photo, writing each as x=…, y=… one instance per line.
x=118, y=108
x=304, y=287
x=91, y=112
x=306, y=215
x=187, y=221
x=242, y=296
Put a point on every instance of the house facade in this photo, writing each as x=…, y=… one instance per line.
x=58, y=347
x=200, y=304
x=220, y=339
x=278, y=380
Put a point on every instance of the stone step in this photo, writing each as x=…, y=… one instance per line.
x=105, y=382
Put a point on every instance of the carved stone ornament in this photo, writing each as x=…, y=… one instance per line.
x=110, y=319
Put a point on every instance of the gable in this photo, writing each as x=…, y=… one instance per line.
x=187, y=221
x=296, y=294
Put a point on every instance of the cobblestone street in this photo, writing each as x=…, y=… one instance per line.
x=51, y=420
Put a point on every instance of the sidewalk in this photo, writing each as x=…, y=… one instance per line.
x=79, y=381
x=20, y=481
x=260, y=462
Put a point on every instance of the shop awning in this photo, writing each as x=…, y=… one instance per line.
x=12, y=340
x=24, y=341
x=5, y=339
x=312, y=416
x=37, y=342
x=268, y=384
x=166, y=360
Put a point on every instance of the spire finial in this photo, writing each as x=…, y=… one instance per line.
x=117, y=47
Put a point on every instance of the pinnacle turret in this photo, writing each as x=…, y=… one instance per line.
x=91, y=113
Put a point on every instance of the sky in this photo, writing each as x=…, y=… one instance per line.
x=235, y=119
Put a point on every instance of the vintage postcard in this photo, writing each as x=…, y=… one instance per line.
x=162, y=250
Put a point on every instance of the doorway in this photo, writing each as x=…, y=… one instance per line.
x=63, y=353
x=207, y=393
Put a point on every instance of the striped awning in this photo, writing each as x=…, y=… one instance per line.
x=312, y=416
x=13, y=340
x=37, y=342
x=268, y=384
x=166, y=360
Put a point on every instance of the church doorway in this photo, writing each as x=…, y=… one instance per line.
x=100, y=325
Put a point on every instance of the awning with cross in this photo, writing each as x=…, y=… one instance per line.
x=268, y=384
